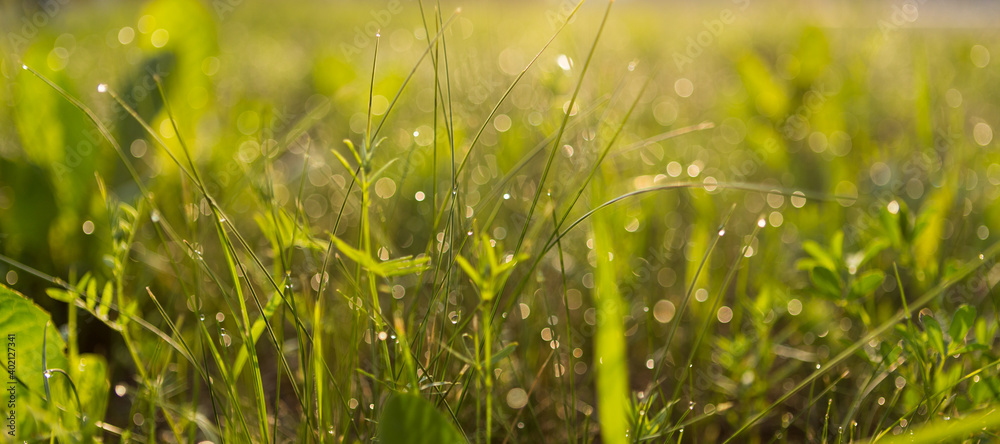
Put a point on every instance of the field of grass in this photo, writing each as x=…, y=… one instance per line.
x=423, y=222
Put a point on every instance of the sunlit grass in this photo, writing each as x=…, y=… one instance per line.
x=569, y=239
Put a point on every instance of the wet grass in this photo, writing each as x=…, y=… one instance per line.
x=535, y=248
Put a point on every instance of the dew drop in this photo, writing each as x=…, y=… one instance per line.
x=155, y=216
x=47, y=374
x=24, y=67
x=817, y=366
x=506, y=196
x=455, y=316
x=202, y=317
x=722, y=232
x=225, y=338
x=102, y=88
x=761, y=223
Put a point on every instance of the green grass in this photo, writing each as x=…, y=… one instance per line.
x=498, y=224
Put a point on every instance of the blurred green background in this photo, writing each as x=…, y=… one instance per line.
x=884, y=110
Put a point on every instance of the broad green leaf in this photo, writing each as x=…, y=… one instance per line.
x=873, y=249
x=865, y=284
x=961, y=322
x=23, y=323
x=820, y=254
x=825, y=281
x=410, y=419
x=191, y=26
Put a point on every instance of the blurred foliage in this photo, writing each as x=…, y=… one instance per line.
x=869, y=134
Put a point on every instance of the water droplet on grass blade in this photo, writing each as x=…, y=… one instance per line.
x=102, y=88
x=47, y=374
x=225, y=338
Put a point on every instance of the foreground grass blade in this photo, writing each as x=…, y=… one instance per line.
x=941, y=430
x=610, y=353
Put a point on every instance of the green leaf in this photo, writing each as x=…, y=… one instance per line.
x=60, y=295
x=410, y=419
x=865, y=284
x=825, y=281
x=105, y=304
x=872, y=250
x=820, y=254
x=91, y=294
x=395, y=267
x=961, y=323
x=934, y=334
x=469, y=270
x=503, y=353
x=24, y=323
x=837, y=246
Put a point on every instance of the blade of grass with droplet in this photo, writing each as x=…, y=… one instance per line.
x=610, y=353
